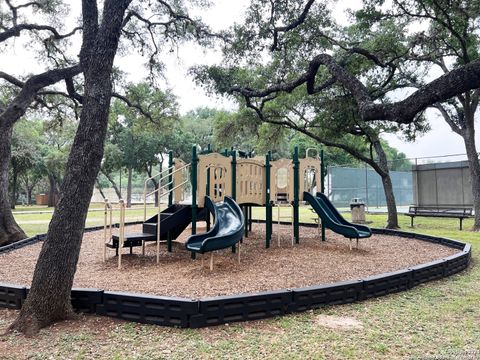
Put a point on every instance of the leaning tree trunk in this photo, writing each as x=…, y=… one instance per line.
x=474, y=167
x=99, y=188
x=382, y=170
x=10, y=232
x=392, y=218
x=48, y=300
x=53, y=193
x=114, y=184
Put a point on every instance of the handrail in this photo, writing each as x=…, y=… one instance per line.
x=159, y=217
x=159, y=187
x=279, y=217
x=107, y=224
x=160, y=195
x=160, y=173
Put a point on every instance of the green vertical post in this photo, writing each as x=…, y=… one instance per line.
x=170, y=178
x=207, y=190
x=296, y=187
x=268, y=206
x=234, y=175
x=322, y=185
x=194, y=189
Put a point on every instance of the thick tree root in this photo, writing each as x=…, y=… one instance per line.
x=10, y=238
x=29, y=324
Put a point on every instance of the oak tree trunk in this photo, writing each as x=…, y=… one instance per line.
x=383, y=171
x=114, y=184
x=392, y=218
x=474, y=167
x=29, y=195
x=53, y=193
x=48, y=300
x=10, y=232
x=99, y=188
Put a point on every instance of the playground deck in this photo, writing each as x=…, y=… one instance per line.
x=309, y=263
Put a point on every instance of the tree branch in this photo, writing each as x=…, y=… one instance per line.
x=16, y=30
x=300, y=20
x=29, y=91
x=455, y=82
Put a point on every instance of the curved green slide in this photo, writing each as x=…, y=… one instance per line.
x=228, y=229
x=332, y=218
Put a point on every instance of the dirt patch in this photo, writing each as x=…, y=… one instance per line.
x=309, y=263
x=338, y=323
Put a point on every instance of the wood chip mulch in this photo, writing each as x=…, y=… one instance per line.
x=312, y=262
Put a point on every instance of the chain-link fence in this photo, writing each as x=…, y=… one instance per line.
x=346, y=183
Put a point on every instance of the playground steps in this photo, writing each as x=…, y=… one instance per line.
x=173, y=221
x=131, y=240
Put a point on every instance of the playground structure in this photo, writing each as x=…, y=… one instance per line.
x=227, y=186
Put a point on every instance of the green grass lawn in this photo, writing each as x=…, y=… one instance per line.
x=438, y=320
x=37, y=223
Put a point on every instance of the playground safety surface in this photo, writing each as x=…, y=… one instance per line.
x=311, y=262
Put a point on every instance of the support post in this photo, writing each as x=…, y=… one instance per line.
x=193, y=179
x=250, y=218
x=245, y=213
x=322, y=185
x=105, y=232
x=207, y=192
x=234, y=175
x=268, y=205
x=296, y=187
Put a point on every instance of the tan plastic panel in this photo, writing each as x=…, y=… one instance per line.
x=250, y=181
x=282, y=178
x=220, y=177
x=178, y=178
x=306, y=166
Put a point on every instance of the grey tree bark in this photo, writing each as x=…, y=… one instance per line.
x=48, y=300
x=113, y=182
x=384, y=172
x=474, y=167
x=10, y=232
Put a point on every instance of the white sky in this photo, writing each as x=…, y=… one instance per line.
x=440, y=141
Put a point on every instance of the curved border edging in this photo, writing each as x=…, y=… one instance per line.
x=34, y=239
x=191, y=313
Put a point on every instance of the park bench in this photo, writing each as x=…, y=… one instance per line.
x=440, y=211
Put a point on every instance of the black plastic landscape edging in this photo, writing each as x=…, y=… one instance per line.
x=34, y=239
x=193, y=313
